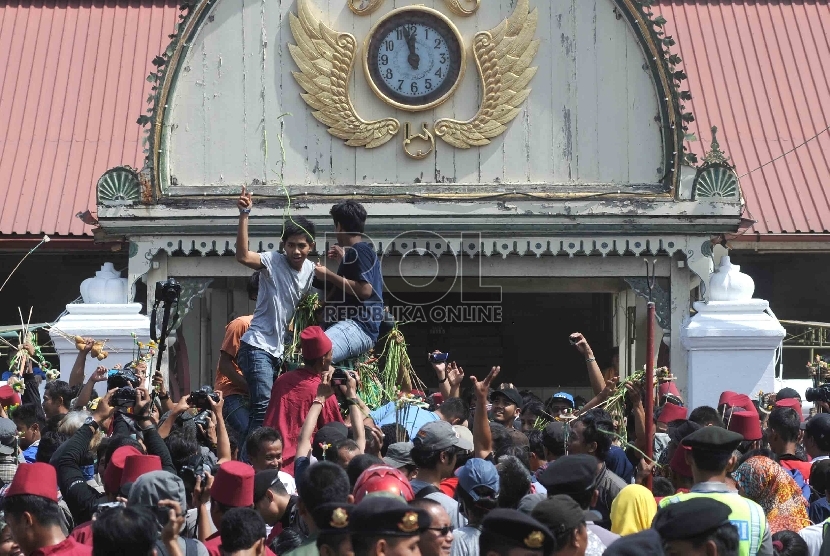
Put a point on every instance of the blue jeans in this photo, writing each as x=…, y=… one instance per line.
x=260, y=369
x=348, y=340
x=237, y=415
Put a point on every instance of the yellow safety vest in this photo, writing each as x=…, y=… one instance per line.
x=747, y=516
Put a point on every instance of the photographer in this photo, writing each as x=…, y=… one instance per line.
x=134, y=531
x=211, y=430
x=98, y=375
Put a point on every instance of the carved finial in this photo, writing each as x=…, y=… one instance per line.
x=715, y=155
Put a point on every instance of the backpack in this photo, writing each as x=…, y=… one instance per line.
x=799, y=480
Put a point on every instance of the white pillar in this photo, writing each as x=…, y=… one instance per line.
x=731, y=341
x=101, y=317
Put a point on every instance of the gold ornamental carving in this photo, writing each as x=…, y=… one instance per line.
x=366, y=7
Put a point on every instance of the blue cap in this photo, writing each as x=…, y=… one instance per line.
x=476, y=473
x=564, y=396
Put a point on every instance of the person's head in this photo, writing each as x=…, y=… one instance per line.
x=506, y=404
x=8, y=546
x=500, y=436
x=662, y=487
x=332, y=522
x=233, y=487
x=590, y=434
x=386, y=526
x=358, y=464
x=514, y=481
x=560, y=404
x=632, y=510
x=112, y=444
x=270, y=496
x=297, y=240
x=506, y=532
x=343, y=452
x=349, y=218
x=789, y=543
x=531, y=411
x=382, y=479
x=49, y=444
x=29, y=425
x=536, y=449
x=399, y=456
x=436, y=447
x=554, y=440
x=253, y=285
x=31, y=506
x=697, y=527
x=437, y=539
x=124, y=531
x=782, y=430
x=712, y=452
x=565, y=519
x=817, y=435
x=575, y=476
x=265, y=449
x=706, y=416
x=56, y=398
x=478, y=489
x=820, y=476
x=454, y=411
x=150, y=488
x=242, y=533
x=316, y=349
x=321, y=483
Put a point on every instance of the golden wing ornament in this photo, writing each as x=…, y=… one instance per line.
x=326, y=58
x=503, y=57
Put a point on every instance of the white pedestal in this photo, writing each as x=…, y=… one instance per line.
x=114, y=323
x=731, y=346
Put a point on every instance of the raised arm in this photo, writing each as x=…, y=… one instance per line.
x=594, y=372
x=482, y=438
x=251, y=259
x=441, y=374
x=324, y=392
x=76, y=375
x=223, y=442
x=99, y=375
x=356, y=414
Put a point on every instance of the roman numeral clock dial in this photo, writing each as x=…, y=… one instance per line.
x=414, y=59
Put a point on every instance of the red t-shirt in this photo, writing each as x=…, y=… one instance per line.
x=802, y=466
x=448, y=486
x=83, y=533
x=68, y=547
x=291, y=398
x=214, y=542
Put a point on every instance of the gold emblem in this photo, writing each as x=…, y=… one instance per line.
x=409, y=522
x=326, y=59
x=535, y=540
x=365, y=7
x=424, y=135
x=339, y=519
x=503, y=57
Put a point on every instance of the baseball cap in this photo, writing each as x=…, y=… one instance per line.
x=564, y=396
x=511, y=394
x=264, y=480
x=8, y=437
x=399, y=455
x=439, y=435
x=476, y=473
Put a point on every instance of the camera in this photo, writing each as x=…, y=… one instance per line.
x=193, y=471
x=340, y=377
x=121, y=378
x=819, y=394
x=162, y=514
x=123, y=398
x=439, y=357
x=168, y=291
x=200, y=398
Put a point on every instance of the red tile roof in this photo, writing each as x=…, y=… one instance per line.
x=72, y=83
x=760, y=72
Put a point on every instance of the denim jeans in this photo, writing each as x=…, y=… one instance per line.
x=237, y=416
x=260, y=369
x=348, y=340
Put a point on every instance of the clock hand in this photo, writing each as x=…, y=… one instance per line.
x=413, y=58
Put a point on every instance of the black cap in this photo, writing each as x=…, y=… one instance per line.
x=511, y=394
x=644, y=543
x=573, y=474
x=388, y=516
x=690, y=518
x=330, y=433
x=263, y=480
x=517, y=530
x=818, y=426
x=555, y=430
x=713, y=439
x=787, y=393
x=559, y=514
x=333, y=517
x=678, y=430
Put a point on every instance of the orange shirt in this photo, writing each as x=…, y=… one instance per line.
x=230, y=345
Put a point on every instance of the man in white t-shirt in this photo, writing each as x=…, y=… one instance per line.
x=284, y=281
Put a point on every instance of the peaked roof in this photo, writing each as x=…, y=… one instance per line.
x=73, y=84
x=760, y=72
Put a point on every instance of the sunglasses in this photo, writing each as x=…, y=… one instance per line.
x=443, y=531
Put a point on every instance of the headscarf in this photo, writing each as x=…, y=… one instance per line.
x=768, y=484
x=632, y=510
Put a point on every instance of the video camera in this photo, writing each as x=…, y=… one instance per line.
x=821, y=393
x=200, y=398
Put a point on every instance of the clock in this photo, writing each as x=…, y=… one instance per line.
x=414, y=58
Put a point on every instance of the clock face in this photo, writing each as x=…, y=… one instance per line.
x=414, y=58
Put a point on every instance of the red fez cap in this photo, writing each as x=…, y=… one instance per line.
x=112, y=476
x=672, y=412
x=742, y=402
x=726, y=397
x=8, y=396
x=665, y=388
x=314, y=342
x=747, y=424
x=792, y=403
x=36, y=479
x=678, y=462
x=136, y=466
x=234, y=483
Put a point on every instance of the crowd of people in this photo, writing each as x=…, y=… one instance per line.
x=294, y=462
